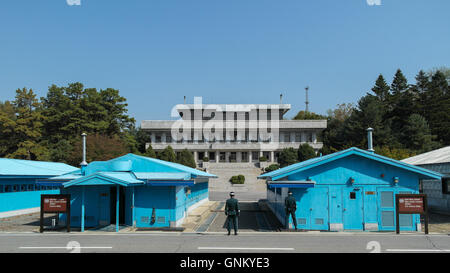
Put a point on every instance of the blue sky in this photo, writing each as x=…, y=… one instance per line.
x=227, y=51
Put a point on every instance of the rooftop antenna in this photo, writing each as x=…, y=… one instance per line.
x=307, y=101
x=281, y=98
x=184, y=99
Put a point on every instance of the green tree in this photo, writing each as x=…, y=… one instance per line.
x=395, y=153
x=167, y=154
x=305, y=152
x=287, y=157
x=7, y=125
x=150, y=152
x=437, y=107
x=302, y=115
x=417, y=134
x=98, y=148
x=272, y=167
x=186, y=158
x=27, y=128
x=381, y=89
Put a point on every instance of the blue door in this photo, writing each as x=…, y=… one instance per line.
x=386, y=208
x=303, y=213
x=312, y=209
x=319, y=209
x=103, y=216
x=353, y=212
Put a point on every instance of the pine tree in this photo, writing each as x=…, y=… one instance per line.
x=417, y=135
x=437, y=107
x=381, y=89
x=150, y=152
x=27, y=131
x=305, y=152
x=167, y=154
x=186, y=158
x=287, y=157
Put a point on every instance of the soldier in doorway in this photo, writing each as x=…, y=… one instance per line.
x=290, y=207
x=232, y=212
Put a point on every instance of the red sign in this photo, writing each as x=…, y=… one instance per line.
x=54, y=203
x=410, y=204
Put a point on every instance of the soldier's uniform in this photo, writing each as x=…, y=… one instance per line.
x=232, y=212
x=290, y=206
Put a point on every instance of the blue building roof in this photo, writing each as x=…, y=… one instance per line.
x=131, y=170
x=18, y=167
x=174, y=166
x=317, y=161
x=103, y=178
x=163, y=176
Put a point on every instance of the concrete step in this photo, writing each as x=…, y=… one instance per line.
x=197, y=216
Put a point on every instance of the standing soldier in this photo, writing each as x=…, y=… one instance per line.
x=232, y=212
x=290, y=206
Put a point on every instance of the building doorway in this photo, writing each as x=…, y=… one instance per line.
x=113, y=194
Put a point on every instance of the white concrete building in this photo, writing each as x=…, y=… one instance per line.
x=233, y=133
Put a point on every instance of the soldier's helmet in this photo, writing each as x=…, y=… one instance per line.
x=231, y=193
x=290, y=193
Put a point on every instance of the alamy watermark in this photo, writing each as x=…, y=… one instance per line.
x=373, y=2
x=226, y=122
x=73, y=2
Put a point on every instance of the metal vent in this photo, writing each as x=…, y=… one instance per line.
x=387, y=218
x=301, y=221
x=161, y=220
x=75, y=218
x=387, y=199
x=319, y=221
x=144, y=219
x=405, y=220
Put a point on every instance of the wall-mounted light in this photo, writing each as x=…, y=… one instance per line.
x=352, y=180
x=382, y=175
x=396, y=180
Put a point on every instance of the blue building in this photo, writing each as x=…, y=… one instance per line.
x=133, y=190
x=352, y=189
x=20, y=190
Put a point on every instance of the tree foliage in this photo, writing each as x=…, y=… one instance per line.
x=407, y=118
x=305, y=152
x=287, y=157
x=50, y=128
x=98, y=148
x=303, y=115
x=186, y=158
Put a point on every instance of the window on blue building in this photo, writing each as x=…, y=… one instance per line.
x=15, y=188
x=1, y=188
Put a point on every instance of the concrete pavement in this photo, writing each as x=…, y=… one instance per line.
x=245, y=242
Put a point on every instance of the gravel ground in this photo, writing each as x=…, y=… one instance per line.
x=24, y=223
x=438, y=222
